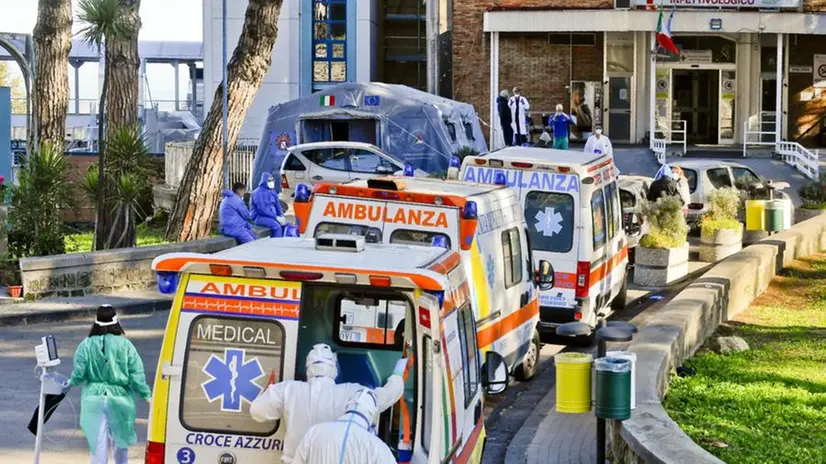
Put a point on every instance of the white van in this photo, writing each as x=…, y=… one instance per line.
x=572, y=207
x=246, y=317
x=484, y=223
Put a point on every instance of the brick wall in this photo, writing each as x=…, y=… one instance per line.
x=814, y=5
x=535, y=72
x=804, y=116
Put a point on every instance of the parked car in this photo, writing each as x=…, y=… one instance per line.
x=633, y=195
x=705, y=176
x=336, y=162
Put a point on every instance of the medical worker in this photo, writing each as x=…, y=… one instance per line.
x=304, y=404
x=266, y=209
x=519, y=107
x=599, y=144
x=560, y=121
x=351, y=439
x=664, y=185
x=109, y=367
x=505, y=117
x=234, y=217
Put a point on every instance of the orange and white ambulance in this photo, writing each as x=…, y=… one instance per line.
x=483, y=223
x=247, y=317
x=572, y=207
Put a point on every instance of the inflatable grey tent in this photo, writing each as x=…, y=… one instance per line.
x=422, y=129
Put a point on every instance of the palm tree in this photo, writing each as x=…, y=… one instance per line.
x=52, y=42
x=197, y=198
x=112, y=25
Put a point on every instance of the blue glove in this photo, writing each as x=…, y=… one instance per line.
x=401, y=365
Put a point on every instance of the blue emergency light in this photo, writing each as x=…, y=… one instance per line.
x=409, y=170
x=439, y=241
x=291, y=231
x=167, y=282
x=470, y=211
x=455, y=162
x=500, y=179
x=302, y=193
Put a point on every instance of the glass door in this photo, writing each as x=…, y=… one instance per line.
x=619, y=104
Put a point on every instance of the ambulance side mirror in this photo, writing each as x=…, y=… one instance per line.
x=495, y=370
x=545, y=275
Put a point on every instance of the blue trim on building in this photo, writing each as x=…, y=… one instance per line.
x=305, y=21
x=351, y=51
x=5, y=134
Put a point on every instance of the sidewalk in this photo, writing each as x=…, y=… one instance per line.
x=65, y=309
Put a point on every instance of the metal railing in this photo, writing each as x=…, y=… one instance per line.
x=669, y=134
x=89, y=106
x=659, y=147
x=800, y=158
x=240, y=165
x=754, y=127
x=177, y=156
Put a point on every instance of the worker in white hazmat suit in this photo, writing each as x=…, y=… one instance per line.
x=300, y=405
x=350, y=439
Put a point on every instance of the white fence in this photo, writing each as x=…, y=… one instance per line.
x=659, y=147
x=755, y=133
x=670, y=132
x=800, y=158
x=177, y=156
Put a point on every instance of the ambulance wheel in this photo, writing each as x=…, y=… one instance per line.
x=527, y=369
x=618, y=305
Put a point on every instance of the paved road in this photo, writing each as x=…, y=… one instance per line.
x=64, y=443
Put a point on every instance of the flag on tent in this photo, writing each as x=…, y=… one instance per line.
x=664, y=34
x=327, y=100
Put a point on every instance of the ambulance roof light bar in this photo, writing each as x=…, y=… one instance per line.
x=455, y=162
x=500, y=179
x=409, y=170
x=302, y=193
x=340, y=242
x=386, y=183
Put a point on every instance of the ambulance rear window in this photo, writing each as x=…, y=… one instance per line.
x=550, y=218
x=229, y=361
x=416, y=237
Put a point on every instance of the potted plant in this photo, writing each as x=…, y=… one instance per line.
x=721, y=231
x=813, y=195
x=10, y=276
x=662, y=255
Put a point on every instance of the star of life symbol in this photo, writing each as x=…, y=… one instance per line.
x=232, y=379
x=549, y=222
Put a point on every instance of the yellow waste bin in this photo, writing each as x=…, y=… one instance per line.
x=756, y=215
x=573, y=382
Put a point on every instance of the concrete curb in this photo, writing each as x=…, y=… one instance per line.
x=672, y=333
x=85, y=312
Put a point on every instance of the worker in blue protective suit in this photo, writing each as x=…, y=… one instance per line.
x=300, y=405
x=234, y=217
x=350, y=439
x=266, y=209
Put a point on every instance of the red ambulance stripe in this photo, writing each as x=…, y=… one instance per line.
x=449, y=386
x=261, y=308
x=467, y=450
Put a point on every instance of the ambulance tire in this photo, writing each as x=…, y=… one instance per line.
x=619, y=302
x=527, y=369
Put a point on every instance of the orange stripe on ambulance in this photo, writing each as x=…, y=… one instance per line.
x=382, y=213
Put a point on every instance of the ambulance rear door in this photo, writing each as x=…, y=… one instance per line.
x=235, y=337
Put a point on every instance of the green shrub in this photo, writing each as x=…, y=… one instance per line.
x=813, y=194
x=466, y=151
x=710, y=226
x=723, y=206
x=668, y=227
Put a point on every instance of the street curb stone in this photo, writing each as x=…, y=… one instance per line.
x=123, y=308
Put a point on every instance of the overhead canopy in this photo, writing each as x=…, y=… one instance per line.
x=422, y=129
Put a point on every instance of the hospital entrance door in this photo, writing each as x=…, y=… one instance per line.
x=696, y=96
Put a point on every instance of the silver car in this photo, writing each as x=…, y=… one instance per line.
x=633, y=195
x=335, y=162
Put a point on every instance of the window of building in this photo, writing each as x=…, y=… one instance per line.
x=329, y=41
x=512, y=252
x=588, y=40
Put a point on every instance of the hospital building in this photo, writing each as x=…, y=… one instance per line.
x=750, y=70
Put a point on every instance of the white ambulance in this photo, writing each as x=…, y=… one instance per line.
x=484, y=223
x=572, y=207
x=247, y=317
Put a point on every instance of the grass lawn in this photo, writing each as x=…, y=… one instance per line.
x=768, y=404
x=82, y=243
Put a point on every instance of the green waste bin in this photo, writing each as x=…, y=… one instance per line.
x=613, y=385
x=775, y=215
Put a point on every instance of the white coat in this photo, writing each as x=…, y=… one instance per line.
x=518, y=114
x=601, y=145
x=323, y=445
x=304, y=404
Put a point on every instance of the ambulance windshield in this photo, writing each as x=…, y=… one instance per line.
x=550, y=218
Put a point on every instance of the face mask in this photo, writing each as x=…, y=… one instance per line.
x=271, y=184
x=598, y=132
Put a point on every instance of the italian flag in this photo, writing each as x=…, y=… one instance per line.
x=664, y=34
x=327, y=100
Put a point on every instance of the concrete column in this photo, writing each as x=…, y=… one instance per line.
x=76, y=65
x=494, y=86
x=652, y=89
x=778, y=125
x=177, y=85
x=193, y=82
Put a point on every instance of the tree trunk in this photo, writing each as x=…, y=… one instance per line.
x=52, y=42
x=198, y=194
x=123, y=71
x=100, y=203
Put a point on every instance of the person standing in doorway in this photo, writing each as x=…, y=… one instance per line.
x=519, y=107
x=599, y=144
x=559, y=122
x=505, y=117
x=111, y=371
